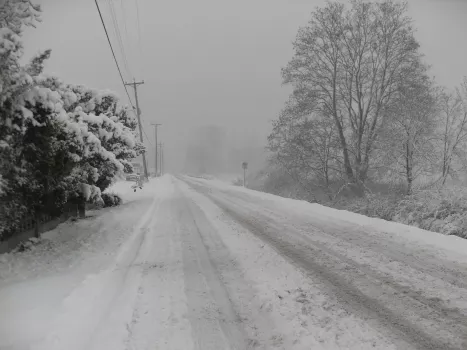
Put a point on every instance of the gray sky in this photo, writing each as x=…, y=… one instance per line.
x=212, y=61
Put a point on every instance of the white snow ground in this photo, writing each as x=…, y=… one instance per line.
x=199, y=264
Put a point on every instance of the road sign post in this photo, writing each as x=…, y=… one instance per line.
x=245, y=167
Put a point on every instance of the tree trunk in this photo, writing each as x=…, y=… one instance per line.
x=409, y=181
x=409, y=168
x=358, y=178
x=345, y=152
x=81, y=208
x=445, y=174
x=37, y=224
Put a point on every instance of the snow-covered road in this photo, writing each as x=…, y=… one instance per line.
x=197, y=264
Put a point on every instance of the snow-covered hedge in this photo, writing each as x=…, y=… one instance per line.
x=111, y=199
x=440, y=210
x=58, y=142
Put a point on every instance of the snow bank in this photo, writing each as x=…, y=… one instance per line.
x=225, y=177
x=67, y=244
x=44, y=287
x=411, y=234
x=229, y=178
x=124, y=190
x=452, y=243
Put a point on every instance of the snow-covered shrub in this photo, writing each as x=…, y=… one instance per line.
x=27, y=245
x=441, y=210
x=111, y=199
x=276, y=181
x=117, y=199
x=373, y=205
x=92, y=194
x=58, y=142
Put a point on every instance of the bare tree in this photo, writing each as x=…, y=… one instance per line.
x=305, y=144
x=351, y=62
x=452, y=129
x=409, y=136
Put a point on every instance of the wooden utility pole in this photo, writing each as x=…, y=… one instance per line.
x=156, y=164
x=161, y=158
x=135, y=84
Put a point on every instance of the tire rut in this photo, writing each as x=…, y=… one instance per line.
x=209, y=301
x=345, y=291
x=323, y=260
x=450, y=272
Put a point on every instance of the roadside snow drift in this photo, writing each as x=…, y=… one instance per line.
x=412, y=234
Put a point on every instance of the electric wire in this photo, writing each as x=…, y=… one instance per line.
x=119, y=37
x=113, y=52
x=139, y=36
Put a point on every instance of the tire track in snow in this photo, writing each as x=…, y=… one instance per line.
x=451, y=272
x=112, y=331
x=260, y=330
x=411, y=277
x=287, y=310
x=85, y=321
x=364, y=305
x=215, y=324
x=158, y=320
x=319, y=265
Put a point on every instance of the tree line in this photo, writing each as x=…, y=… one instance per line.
x=364, y=106
x=59, y=142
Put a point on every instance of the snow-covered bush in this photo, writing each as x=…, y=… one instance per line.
x=109, y=127
x=27, y=245
x=440, y=210
x=58, y=142
x=276, y=181
x=373, y=205
x=111, y=199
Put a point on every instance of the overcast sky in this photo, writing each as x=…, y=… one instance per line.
x=212, y=61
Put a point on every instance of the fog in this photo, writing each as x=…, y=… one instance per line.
x=211, y=68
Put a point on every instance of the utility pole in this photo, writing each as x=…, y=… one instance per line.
x=135, y=84
x=156, y=165
x=161, y=160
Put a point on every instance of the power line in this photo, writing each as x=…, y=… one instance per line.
x=144, y=132
x=119, y=36
x=124, y=19
x=125, y=26
x=113, y=53
x=139, y=34
x=147, y=138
